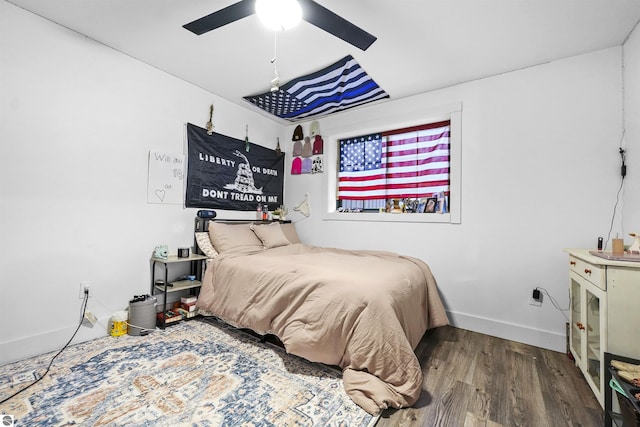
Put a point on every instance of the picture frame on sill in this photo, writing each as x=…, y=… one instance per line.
x=422, y=204
x=431, y=205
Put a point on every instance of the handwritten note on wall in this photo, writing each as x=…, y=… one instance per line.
x=166, y=178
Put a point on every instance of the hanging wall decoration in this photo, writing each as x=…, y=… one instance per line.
x=296, y=153
x=316, y=166
x=209, y=124
x=307, y=152
x=314, y=129
x=247, y=144
x=165, y=184
x=317, y=147
x=220, y=176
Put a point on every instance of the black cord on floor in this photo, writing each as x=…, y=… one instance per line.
x=84, y=309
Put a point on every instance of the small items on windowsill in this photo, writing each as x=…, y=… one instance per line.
x=634, y=249
x=395, y=208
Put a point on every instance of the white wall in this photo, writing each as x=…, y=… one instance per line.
x=78, y=121
x=631, y=141
x=540, y=171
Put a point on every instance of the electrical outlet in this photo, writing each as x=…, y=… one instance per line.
x=84, y=286
x=535, y=298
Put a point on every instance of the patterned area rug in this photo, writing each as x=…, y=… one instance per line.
x=192, y=374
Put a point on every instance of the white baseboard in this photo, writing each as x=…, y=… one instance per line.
x=520, y=333
x=24, y=347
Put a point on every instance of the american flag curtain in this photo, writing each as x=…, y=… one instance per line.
x=362, y=171
x=338, y=87
x=409, y=163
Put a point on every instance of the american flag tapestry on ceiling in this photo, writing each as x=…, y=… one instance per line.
x=338, y=87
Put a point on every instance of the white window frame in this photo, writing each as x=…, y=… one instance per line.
x=331, y=153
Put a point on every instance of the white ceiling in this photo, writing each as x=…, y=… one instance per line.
x=422, y=44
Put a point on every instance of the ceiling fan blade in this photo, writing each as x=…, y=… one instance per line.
x=222, y=17
x=325, y=19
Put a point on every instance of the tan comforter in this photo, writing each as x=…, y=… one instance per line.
x=364, y=311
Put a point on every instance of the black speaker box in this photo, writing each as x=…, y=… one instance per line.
x=207, y=214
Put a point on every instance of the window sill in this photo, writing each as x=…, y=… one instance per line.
x=387, y=217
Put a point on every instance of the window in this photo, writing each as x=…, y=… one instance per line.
x=407, y=120
x=403, y=170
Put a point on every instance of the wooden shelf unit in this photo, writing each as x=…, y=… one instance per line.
x=604, y=314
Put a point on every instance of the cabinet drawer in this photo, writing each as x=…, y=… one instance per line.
x=592, y=272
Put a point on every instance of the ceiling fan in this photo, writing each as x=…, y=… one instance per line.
x=312, y=12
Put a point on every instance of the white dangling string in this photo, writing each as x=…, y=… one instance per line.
x=275, y=81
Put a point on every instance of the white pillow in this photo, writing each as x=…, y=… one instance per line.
x=204, y=243
x=271, y=235
x=234, y=238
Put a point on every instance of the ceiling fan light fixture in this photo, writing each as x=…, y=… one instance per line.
x=279, y=14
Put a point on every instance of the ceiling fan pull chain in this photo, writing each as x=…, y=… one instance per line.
x=275, y=81
x=275, y=47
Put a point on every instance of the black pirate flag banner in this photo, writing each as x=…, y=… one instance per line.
x=222, y=174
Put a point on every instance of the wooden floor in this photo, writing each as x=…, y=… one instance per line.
x=471, y=379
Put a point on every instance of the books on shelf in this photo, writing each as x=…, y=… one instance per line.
x=189, y=307
x=187, y=314
x=170, y=316
x=188, y=304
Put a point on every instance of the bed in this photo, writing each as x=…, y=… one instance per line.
x=364, y=311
